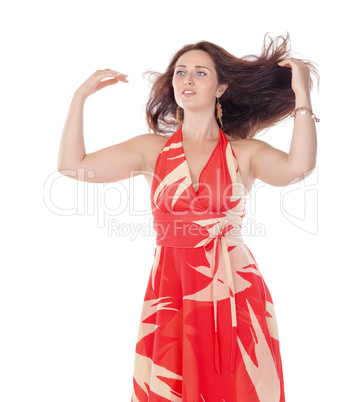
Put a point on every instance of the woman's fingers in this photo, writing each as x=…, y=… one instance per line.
x=291, y=62
x=107, y=73
x=288, y=62
x=111, y=81
x=283, y=63
x=300, y=73
x=101, y=79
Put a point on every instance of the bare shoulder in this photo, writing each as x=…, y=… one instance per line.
x=152, y=145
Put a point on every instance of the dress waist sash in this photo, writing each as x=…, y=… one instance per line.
x=216, y=233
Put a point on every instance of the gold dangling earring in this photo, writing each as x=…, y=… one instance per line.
x=177, y=117
x=219, y=112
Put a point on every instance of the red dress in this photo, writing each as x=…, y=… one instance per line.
x=208, y=330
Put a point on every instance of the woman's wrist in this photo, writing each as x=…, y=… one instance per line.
x=302, y=98
x=79, y=96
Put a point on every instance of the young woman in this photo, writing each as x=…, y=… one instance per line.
x=208, y=329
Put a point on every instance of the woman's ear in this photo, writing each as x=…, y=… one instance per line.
x=222, y=88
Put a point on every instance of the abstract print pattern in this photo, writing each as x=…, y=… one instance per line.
x=208, y=330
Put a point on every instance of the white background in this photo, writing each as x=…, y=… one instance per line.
x=71, y=290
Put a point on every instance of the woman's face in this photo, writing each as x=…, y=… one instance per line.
x=195, y=81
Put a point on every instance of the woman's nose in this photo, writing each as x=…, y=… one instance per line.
x=188, y=80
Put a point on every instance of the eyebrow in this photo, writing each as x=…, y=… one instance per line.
x=195, y=67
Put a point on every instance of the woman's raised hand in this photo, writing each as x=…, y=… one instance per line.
x=99, y=80
x=300, y=74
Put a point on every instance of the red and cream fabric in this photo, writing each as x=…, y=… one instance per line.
x=208, y=330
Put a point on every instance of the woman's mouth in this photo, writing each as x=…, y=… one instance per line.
x=188, y=92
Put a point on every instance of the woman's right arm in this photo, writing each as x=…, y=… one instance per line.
x=113, y=163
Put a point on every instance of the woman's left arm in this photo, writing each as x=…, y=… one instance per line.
x=303, y=148
x=276, y=167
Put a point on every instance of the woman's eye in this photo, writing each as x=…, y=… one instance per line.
x=180, y=72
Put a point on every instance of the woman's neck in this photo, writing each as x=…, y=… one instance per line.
x=200, y=127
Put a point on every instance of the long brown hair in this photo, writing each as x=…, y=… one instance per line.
x=259, y=94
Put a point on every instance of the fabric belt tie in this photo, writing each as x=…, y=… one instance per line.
x=213, y=242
